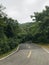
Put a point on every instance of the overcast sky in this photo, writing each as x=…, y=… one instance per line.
x=22, y=9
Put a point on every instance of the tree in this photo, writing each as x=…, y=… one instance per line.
x=43, y=27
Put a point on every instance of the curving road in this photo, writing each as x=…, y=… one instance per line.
x=28, y=54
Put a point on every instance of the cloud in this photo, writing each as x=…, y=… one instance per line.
x=22, y=9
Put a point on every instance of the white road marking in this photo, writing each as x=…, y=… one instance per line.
x=28, y=46
x=29, y=55
x=9, y=54
x=45, y=50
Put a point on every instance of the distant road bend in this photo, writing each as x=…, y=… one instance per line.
x=28, y=54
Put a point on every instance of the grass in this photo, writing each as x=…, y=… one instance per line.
x=6, y=54
x=44, y=45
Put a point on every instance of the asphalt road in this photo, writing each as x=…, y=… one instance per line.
x=28, y=54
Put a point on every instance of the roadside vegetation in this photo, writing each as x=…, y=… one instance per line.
x=9, y=30
x=13, y=33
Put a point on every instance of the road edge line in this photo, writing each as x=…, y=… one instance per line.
x=45, y=49
x=10, y=54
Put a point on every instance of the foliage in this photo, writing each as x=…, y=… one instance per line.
x=42, y=31
x=9, y=30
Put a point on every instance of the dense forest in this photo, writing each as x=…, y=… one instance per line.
x=13, y=33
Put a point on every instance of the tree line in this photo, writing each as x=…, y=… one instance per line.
x=38, y=31
x=9, y=30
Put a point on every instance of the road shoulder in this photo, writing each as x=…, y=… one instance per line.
x=45, y=47
x=10, y=54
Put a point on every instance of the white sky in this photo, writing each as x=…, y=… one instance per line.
x=22, y=9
